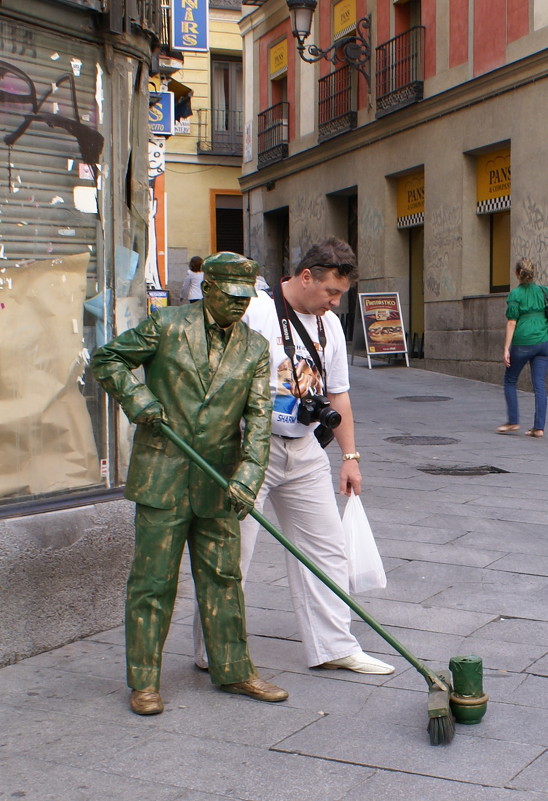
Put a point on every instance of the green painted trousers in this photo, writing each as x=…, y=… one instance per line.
x=214, y=547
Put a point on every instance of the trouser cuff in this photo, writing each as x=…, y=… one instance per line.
x=232, y=672
x=140, y=678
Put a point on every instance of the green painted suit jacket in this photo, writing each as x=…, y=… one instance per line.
x=172, y=347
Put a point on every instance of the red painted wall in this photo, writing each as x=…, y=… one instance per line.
x=489, y=35
x=383, y=22
x=518, y=19
x=458, y=32
x=428, y=15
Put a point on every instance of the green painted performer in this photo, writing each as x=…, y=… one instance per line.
x=205, y=372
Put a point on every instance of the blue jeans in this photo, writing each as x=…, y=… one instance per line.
x=537, y=355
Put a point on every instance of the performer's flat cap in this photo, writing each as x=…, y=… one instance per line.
x=232, y=273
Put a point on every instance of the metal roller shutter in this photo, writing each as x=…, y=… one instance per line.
x=50, y=142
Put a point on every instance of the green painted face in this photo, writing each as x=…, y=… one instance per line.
x=225, y=309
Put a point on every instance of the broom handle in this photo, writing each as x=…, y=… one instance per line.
x=344, y=596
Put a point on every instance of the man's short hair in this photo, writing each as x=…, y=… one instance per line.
x=330, y=254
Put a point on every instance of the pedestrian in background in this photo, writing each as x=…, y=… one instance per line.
x=191, y=289
x=526, y=340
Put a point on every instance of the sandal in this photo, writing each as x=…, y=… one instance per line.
x=507, y=427
x=534, y=432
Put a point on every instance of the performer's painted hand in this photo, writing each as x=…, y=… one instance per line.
x=152, y=416
x=240, y=498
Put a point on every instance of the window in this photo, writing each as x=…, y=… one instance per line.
x=226, y=104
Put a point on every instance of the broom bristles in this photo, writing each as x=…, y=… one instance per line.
x=441, y=730
x=441, y=726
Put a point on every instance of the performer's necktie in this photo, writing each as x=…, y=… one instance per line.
x=216, y=347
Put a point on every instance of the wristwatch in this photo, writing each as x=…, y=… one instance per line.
x=347, y=456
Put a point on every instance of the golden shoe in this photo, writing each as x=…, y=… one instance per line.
x=257, y=688
x=146, y=702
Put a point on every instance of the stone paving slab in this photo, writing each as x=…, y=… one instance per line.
x=390, y=786
x=452, y=553
x=533, y=564
x=527, y=603
x=405, y=748
x=431, y=618
x=219, y=767
x=35, y=779
x=534, y=776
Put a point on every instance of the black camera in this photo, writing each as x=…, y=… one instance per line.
x=317, y=409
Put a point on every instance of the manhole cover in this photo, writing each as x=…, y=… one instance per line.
x=424, y=398
x=422, y=440
x=457, y=470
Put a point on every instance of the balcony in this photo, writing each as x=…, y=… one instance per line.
x=400, y=71
x=273, y=134
x=220, y=132
x=336, y=104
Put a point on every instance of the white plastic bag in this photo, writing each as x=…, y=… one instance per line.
x=364, y=561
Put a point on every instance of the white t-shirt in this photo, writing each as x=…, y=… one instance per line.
x=261, y=315
x=192, y=286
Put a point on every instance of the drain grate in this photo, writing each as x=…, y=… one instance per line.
x=424, y=398
x=458, y=470
x=408, y=440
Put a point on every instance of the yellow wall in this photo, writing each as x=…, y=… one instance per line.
x=190, y=176
x=188, y=195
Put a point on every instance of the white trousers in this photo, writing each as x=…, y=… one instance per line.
x=300, y=488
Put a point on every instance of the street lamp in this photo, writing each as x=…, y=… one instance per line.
x=353, y=50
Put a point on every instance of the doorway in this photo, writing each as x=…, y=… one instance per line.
x=416, y=292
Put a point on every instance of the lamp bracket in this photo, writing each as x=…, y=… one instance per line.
x=352, y=50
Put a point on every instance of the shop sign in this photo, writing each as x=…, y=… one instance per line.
x=344, y=18
x=189, y=25
x=278, y=59
x=157, y=299
x=161, y=116
x=382, y=322
x=494, y=181
x=410, y=200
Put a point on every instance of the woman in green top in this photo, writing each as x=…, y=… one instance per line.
x=526, y=341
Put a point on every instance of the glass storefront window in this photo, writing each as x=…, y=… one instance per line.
x=54, y=303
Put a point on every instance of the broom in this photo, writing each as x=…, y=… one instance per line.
x=441, y=725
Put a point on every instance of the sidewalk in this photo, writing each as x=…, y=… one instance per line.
x=466, y=558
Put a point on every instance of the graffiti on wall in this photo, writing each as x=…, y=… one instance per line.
x=307, y=215
x=531, y=238
x=19, y=94
x=440, y=254
x=371, y=236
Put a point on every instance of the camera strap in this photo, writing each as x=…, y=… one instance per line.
x=287, y=315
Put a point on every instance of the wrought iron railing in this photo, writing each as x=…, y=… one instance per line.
x=336, y=103
x=273, y=137
x=400, y=71
x=220, y=131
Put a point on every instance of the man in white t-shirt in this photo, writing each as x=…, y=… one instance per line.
x=298, y=479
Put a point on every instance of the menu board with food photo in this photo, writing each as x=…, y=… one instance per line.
x=382, y=323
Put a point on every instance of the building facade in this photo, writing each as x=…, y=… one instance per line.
x=427, y=158
x=74, y=241
x=203, y=157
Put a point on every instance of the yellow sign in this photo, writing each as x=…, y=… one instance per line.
x=411, y=194
x=278, y=59
x=344, y=18
x=493, y=175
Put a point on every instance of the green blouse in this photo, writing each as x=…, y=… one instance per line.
x=525, y=304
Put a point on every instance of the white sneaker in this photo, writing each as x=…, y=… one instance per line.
x=360, y=663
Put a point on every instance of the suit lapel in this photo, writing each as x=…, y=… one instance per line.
x=234, y=353
x=196, y=337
